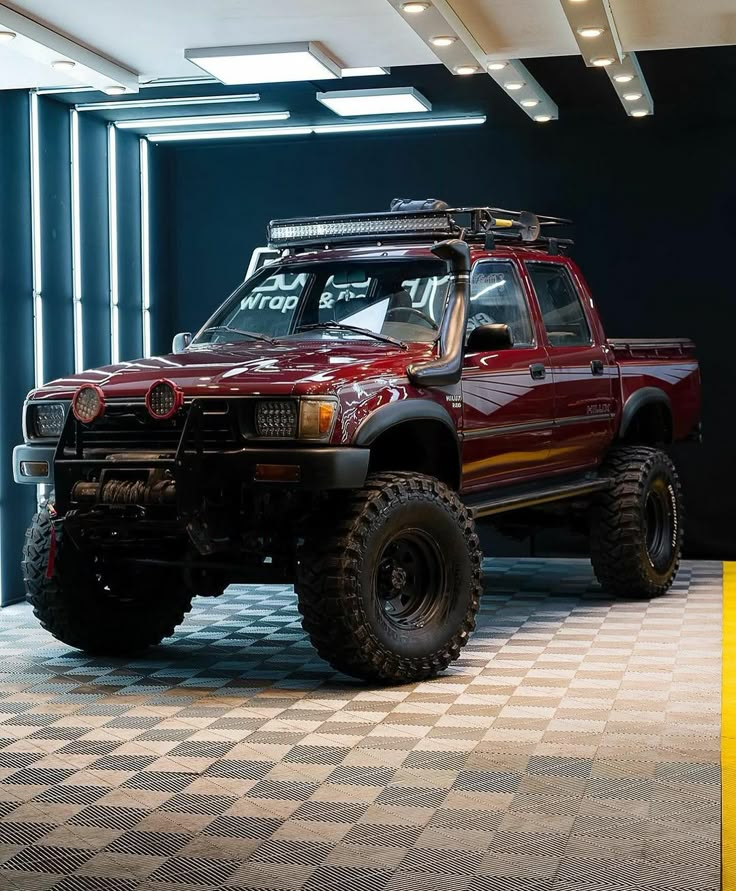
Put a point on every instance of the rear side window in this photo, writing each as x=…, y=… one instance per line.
x=496, y=296
x=560, y=305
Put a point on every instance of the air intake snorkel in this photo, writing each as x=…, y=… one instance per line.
x=447, y=368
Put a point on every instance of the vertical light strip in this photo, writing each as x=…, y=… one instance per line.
x=76, y=241
x=728, y=730
x=37, y=283
x=145, y=250
x=112, y=202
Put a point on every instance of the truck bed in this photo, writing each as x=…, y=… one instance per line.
x=667, y=364
x=639, y=348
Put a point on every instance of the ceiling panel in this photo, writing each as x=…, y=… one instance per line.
x=149, y=36
x=509, y=29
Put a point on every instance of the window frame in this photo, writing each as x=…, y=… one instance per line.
x=522, y=290
x=561, y=267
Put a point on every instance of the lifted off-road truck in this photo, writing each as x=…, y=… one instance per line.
x=341, y=423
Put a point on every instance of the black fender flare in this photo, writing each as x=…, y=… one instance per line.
x=639, y=399
x=393, y=413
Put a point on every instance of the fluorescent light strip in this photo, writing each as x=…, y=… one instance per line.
x=400, y=125
x=112, y=203
x=168, y=103
x=194, y=135
x=37, y=283
x=194, y=120
x=76, y=241
x=145, y=249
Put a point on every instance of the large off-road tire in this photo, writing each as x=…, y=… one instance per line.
x=389, y=586
x=637, y=525
x=76, y=603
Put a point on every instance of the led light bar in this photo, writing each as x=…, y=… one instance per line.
x=365, y=72
x=359, y=226
x=76, y=211
x=265, y=63
x=394, y=100
x=145, y=250
x=206, y=119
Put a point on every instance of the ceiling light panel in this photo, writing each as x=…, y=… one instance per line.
x=266, y=63
x=68, y=62
x=627, y=79
x=595, y=31
x=393, y=100
x=462, y=55
x=365, y=72
x=201, y=120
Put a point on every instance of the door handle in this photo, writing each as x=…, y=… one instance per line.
x=538, y=371
x=596, y=366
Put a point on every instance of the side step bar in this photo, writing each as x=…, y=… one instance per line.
x=505, y=500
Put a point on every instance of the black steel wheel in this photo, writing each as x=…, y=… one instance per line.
x=637, y=525
x=390, y=589
x=93, y=609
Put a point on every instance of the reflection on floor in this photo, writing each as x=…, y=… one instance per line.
x=575, y=746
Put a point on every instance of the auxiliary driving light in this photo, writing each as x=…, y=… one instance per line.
x=88, y=403
x=164, y=399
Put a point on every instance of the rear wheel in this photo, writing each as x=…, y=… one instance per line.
x=636, y=525
x=389, y=590
x=86, y=605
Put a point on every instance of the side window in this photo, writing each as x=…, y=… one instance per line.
x=559, y=302
x=496, y=295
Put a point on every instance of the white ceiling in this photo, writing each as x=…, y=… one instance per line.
x=149, y=36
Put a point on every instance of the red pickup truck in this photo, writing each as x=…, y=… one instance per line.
x=341, y=422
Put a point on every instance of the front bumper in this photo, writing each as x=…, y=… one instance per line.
x=32, y=458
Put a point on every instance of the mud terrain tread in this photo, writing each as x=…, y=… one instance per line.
x=618, y=558
x=86, y=619
x=329, y=574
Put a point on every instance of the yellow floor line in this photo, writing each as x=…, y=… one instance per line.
x=728, y=729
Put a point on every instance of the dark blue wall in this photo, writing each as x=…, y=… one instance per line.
x=16, y=325
x=16, y=303
x=652, y=200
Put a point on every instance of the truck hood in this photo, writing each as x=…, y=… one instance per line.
x=250, y=368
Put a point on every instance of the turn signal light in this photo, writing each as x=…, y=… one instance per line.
x=317, y=418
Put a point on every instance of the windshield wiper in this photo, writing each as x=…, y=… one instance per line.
x=254, y=334
x=340, y=326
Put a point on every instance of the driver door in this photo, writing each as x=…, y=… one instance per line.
x=508, y=395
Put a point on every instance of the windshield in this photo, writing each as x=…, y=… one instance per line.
x=392, y=300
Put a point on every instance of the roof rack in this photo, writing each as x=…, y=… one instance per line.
x=417, y=221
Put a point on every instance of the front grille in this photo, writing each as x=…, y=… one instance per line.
x=130, y=428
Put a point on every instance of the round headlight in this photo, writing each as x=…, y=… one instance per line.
x=164, y=399
x=88, y=403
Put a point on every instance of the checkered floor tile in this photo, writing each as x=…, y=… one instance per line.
x=574, y=747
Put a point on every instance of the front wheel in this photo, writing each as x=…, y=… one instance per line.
x=636, y=525
x=390, y=589
x=89, y=607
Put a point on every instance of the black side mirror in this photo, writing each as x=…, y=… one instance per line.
x=488, y=338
